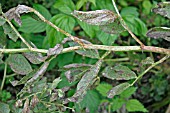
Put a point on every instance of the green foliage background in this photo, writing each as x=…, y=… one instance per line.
x=151, y=92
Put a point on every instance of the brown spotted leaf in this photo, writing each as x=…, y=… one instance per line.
x=118, y=89
x=163, y=8
x=118, y=73
x=56, y=50
x=14, y=13
x=98, y=17
x=159, y=32
x=19, y=64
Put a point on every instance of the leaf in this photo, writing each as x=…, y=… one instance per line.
x=118, y=89
x=14, y=13
x=128, y=92
x=88, y=53
x=0, y=9
x=98, y=17
x=105, y=38
x=3, y=39
x=90, y=101
x=129, y=11
x=10, y=32
x=2, y=21
x=65, y=6
x=4, y=108
x=113, y=28
x=56, y=50
x=80, y=3
x=30, y=25
x=75, y=71
x=26, y=108
x=134, y=105
x=42, y=10
x=148, y=60
x=19, y=64
x=103, y=4
x=55, y=83
x=159, y=32
x=163, y=8
x=64, y=22
x=103, y=88
x=86, y=81
x=117, y=103
x=119, y=73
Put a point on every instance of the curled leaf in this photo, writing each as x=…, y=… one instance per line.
x=19, y=64
x=56, y=50
x=117, y=90
x=163, y=8
x=159, y=32
x=118, y=73
x=98, y=17
x=14, y=13
x=88, y=53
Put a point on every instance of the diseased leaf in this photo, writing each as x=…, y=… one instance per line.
x=19, y=64
x=26, y=108
x=159, y=32
x=3, y=39
x=86, y=81
x=134, y=105
x=34, y=101
x=98, y=17
x=163, y=8
x=113, y=28
x=14, y=13
x=4, y=108
x=148, y=60
x=118, y=89
x=56, y=50
x=10, y=32
x=55, y=83
x=75, y=71
x=40, y=72
x=119, y=73
x=88, y=53
x=2, y=21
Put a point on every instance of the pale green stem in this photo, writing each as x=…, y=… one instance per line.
x=150, y=67
x=4, y=77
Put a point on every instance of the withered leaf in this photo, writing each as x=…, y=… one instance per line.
x=98, y=17
x=26, y=108
x=159, y=32
x=34, y=101
x=14, y=13
x=118, y=89
x=163, y=8
x=56, y=50
x=118, y=73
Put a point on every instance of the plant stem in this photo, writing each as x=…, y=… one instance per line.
x=18, y=34
x=150, y=67
x=92, y=46
x=125, y=25
x=116, y=60
x=4, y=77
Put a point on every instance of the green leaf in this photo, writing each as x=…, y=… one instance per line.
x=105, y=38
x=119, y=73
x=159, y=32
x=147, y=6
x=65, y=6
x=0, y=9
x=129, y=11
x=93, y=2
x=135, y=24
x=80, y=3
x=42, y=10
x=128, y=92
x=64, y=22
x=103, y=4
x=118, y=89
x=90, y=30
x=163, y=8
x=90, y=101
x=89, y=52
x=19, y=64
x=30, y=25
x=103, y=88
x=134, y=105
x=55, y=83
x=2, y=21
x=117, y=103
x=4, y=108
x=3, y=39
x=10, y=32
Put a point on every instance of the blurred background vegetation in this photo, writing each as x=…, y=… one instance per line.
x=153, y=90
